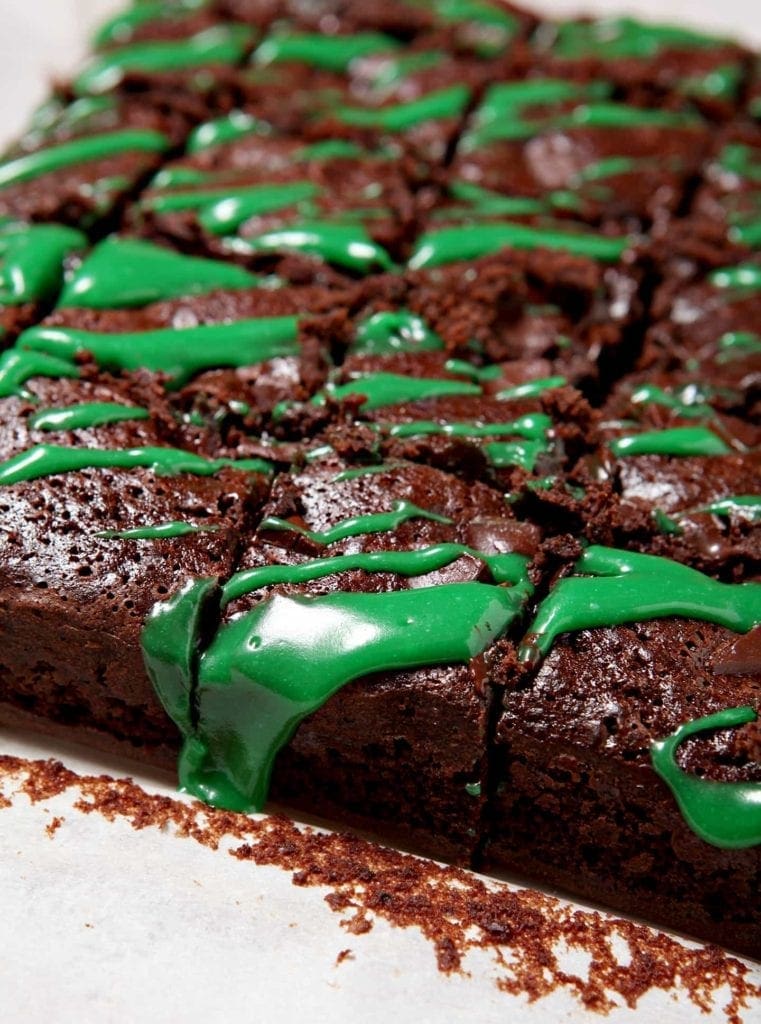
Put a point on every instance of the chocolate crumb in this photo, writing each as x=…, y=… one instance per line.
x=54, y=825
x=345, y=954
x=455, y=910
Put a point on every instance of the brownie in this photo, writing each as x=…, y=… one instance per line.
x=71, y=580
x=79, y=161
x=415, y=764
x=654, y=64
x=31, y=271
x=578, y=804
x=574, y=151
x=259, y=198
x=731, y=189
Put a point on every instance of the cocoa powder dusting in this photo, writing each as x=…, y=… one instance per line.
x=455, y=910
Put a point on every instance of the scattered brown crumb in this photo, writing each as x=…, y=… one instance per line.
x=345, y=954
x=53, y=826
x=455, y=910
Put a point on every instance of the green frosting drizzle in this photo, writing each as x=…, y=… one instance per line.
x=121, y=27
x=611, y=587
x=357, y=526
x=78, y=151
x=329, y=53
x=223, y=44
x=179, y=353
x=687, y=401
x=533, y=425
x=163, y=531
x=679, y=441
x=434, y=106
x=531, y=388
x=469, y=242
x=736, y=344
x=17, y=367
x=347, y=245
x=31, y=260
x=52, y=460
x=382, y=389
x=86, y=415
x=616, y=38
x=724, y=814
x=745, y=276
x=398, y=331
x=222, y=211
x=736, y=506
x=236, y=125
x=126, y=272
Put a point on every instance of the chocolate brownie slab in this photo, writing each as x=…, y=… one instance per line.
x=634, y=648
x=364, y=564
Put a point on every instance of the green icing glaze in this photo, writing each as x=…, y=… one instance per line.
x=329, y=53
x=748, y=233
x=666, y=524
x=86, y=415
x=532, y=425
x=745, y=276
x=687, y=401
x=476, y=373
x=171, y=640
x=332, y=149
x=17, y=367
x=469, y=242
x=223, y=210
x=398, y=331
x=681, y=442
x=473, y=788
x=524, y=454
x=78, y=151
x=357, y=526
x=611, y=587
x=485, y=203
x=724, y=814
x=531, y=388
x=121, y=27
x=347, y=245
x=621, y=115
x=72, y=118
x=172, y=177
x=179, y=353
x=381, y=389
x=719, y=83
x=478, y=11
x=391, y=71
x=504, y=568
x=224, y=44
x=126, y=272
x=736, y=506
x=236, y=125
x=163, y=531
x=616, y=38
x=31, y=260
x=434, y=106
x=52, y=460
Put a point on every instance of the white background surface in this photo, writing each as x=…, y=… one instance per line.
x=103, y=924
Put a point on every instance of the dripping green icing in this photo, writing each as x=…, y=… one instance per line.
x=180, y=353
x=509, y=568
x=224, y=44
x=52, y=460
x=236, y=125
x=745, y=276
x=357, y=526
x=611, y=587
x=223, y=210
x=687, y=401
x=78, y=151
x=475, y=373
x=346, y=245
x=398, y=331
x=86, y=415
x=531, y=388
x=126, y=272
x=122, y=26
x=328, y=53
x=162, y=531
x=455, y=244
x=533, y=425
x=17, y=367
x=31, y=260
x=381, y=389
x=681, y=442
x=434, y=106
x=524, y=454
x=724, y=814
x=615, y=38
x=739, y=506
